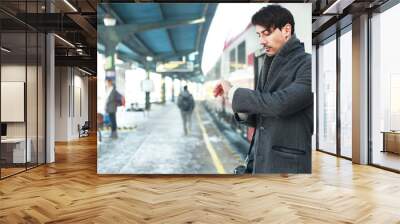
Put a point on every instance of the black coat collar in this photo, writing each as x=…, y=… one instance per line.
x=276, y=62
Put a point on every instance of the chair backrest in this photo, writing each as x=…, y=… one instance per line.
x=86, y=125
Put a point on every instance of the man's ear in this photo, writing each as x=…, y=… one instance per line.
x=287, y=31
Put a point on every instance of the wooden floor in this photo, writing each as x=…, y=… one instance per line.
x=10, y=171
x=70, y=191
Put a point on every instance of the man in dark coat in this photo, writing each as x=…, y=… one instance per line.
x=186, y=105
x=111, y=106
x=281, y=106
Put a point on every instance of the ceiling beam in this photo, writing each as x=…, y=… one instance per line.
x=337, y=6
x=134, y=28
x=126, y=56
x=84, y=24
x=91, y=5
x=7, y=13
x=85, y=61
x=200, y=30
x=114, y=36
x=321, y=21
x=62, y=6
x=129, y=36
x=167, y=30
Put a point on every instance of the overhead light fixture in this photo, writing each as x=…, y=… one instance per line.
x=70, y=5
x=149, y=58
x=109, y=20
x=65, y=41
x=86, y=72
x=5, y=50
x=196, y=21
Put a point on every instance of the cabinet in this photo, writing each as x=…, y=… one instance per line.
x=391, y=141
x=13, y=150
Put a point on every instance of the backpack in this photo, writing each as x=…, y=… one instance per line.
x=119, y=99
x=186, y=103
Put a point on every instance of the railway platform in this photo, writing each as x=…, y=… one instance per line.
x=155, y=143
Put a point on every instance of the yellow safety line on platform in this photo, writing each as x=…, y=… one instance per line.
x=217, y=163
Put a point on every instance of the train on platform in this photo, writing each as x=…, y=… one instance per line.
x=239, y=63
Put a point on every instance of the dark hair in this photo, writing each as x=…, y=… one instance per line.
x=272, y=17
x=111, y=81
x=185, y=87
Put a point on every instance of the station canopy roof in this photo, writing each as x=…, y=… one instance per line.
x=166, y=32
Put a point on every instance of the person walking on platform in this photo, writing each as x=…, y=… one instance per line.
x=281, y=106
x=186, y=105
x=113, y=101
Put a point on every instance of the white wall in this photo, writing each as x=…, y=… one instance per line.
x=71, y=102
x=12, y=73
x=61, y=103
x=80, y=103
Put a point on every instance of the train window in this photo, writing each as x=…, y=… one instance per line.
x=232, y=60
x=242, y=55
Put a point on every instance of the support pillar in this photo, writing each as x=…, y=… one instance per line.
x=50, y=94
x=360, y=108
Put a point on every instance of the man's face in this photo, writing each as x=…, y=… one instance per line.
x=109, y=84
x=273, y=40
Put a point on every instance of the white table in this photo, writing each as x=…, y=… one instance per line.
x=19, y=149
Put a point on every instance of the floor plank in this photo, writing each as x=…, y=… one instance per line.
x=70, y=191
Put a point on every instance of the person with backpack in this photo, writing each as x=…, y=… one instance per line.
x=186, y=105
x=114, y=100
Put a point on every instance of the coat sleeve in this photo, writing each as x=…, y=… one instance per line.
x=281, y=103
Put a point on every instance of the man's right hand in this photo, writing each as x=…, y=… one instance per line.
x=218, y=90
